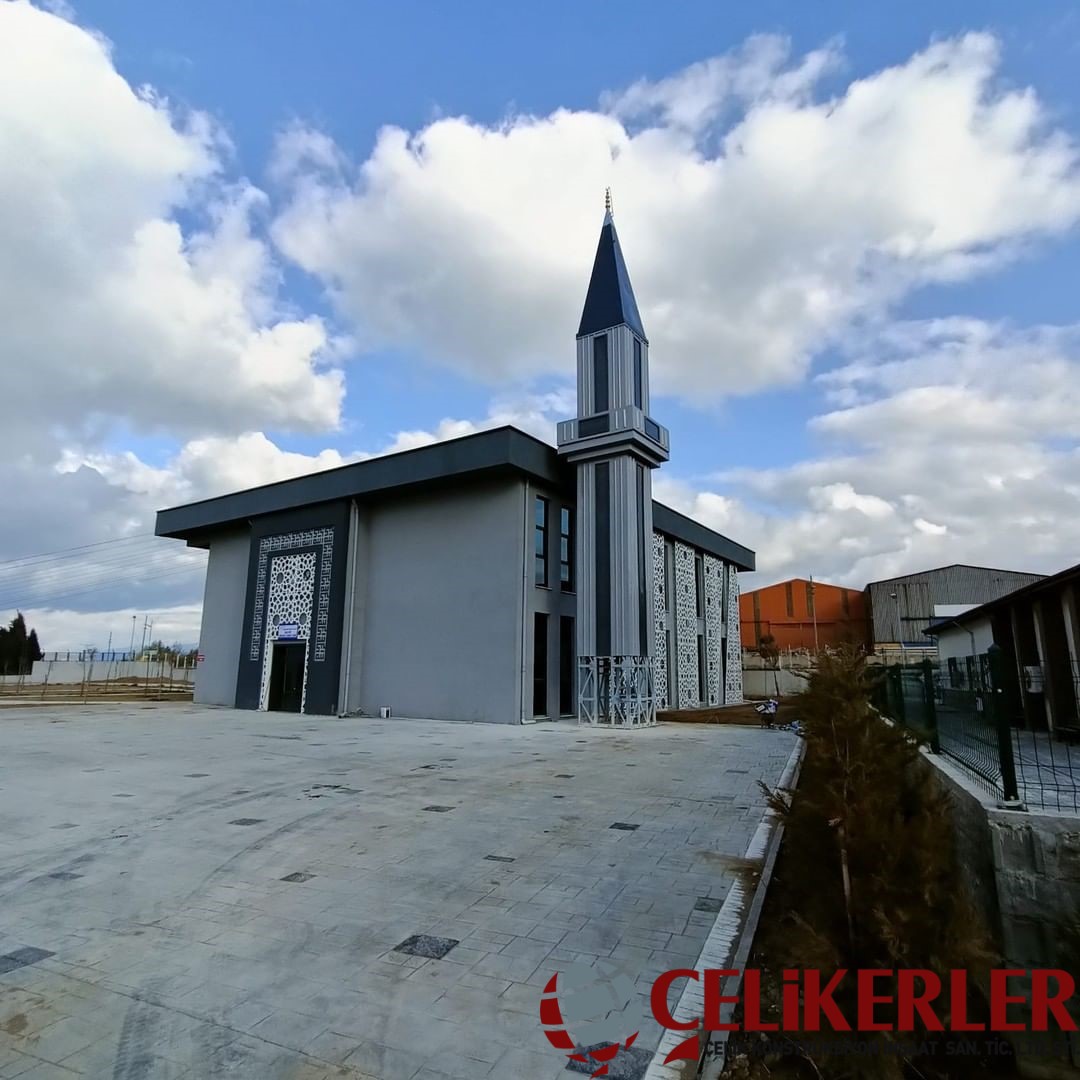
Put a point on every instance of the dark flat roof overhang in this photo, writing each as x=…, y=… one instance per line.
x=500, y=451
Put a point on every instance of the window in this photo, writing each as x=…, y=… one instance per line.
x=566, y=550
x=567, y=658
x=955, y=680
x=810, y=598
x=540, y=654
x=790, y=600
x=639, y=394
x=845, y=600
x=600, y=373
x=699, y=583
x=702, y=691
x=672, y=672
x=541, y=540
x=669, y=574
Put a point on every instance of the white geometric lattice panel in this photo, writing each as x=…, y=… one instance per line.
x=290, y=600
x=268, y=546
x=660, y=671
x=714, y=621
x=686, y=626
x=733, y=657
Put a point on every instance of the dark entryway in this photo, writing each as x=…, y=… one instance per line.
x=287, y=676
x=567, y=662
x=540, y=659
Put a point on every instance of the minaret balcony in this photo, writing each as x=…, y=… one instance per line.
x=626, y=428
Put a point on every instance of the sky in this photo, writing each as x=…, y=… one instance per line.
x=246, y=241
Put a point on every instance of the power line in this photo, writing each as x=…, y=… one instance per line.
x=133, y=577
x=90, y=575
x=80, y=547
x=88, y=569
x=49, y=599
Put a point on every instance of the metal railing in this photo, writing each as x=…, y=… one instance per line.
x=973, y=714
x=109, y=656
x=616, y=691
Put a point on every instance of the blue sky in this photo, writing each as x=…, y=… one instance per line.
x=270, y=237
x=352, y=68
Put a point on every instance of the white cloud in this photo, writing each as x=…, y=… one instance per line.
x=760, y=220
x=62, y=629
x=956, y=443
x=111, y=308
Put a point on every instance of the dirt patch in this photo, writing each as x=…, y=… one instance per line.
x=733, y=862
x=14, y=1025
x=744, y=713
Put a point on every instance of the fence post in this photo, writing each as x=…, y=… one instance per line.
x=931, y=707
x=897, y=677
x=1000, y=719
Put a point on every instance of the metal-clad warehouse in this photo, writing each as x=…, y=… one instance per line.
x=900, y=608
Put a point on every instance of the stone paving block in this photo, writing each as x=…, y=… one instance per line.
x=519, y=1062
x=488, y=983
x=506, y=967
x=552, y=935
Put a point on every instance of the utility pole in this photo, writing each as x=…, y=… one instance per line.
x=145, y=626
x=131, y=647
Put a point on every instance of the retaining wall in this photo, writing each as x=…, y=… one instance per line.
x=1023, y=871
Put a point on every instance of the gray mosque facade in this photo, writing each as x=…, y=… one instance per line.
x=487, y=578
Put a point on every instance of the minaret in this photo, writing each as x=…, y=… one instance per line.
x=615, y=445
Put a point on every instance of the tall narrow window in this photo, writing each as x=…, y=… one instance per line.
x=600, y=373
x=540, y=655
x=567, y=658
x=699, y=583
x=810, y=599
x=789, y=597
x=540, y=573
x=566, y=549
x=703, y=693
x=643, y=611
x=639, y=376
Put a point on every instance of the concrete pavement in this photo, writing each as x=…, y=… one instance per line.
x=187, y=892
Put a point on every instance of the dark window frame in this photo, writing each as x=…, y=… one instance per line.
x=566, y=549
x=639, y=375
x=541, y=517
x=699, y=583
x=601, y=372
x=703, y=674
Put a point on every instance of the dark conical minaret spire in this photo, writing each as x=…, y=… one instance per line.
x=614, y=444
x=610, y=299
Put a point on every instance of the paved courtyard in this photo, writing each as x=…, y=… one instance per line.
x=198, y=893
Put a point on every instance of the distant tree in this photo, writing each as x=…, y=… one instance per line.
x=18, y=649
x=769, y=651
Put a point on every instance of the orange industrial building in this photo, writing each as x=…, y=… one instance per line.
x=801, y=614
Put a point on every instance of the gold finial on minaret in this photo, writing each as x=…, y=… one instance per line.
x=607, y=200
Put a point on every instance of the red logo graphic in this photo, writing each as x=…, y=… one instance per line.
x=551, y=1016
x=597, y=1008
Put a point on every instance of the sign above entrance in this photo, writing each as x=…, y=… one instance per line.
x=288, y=631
